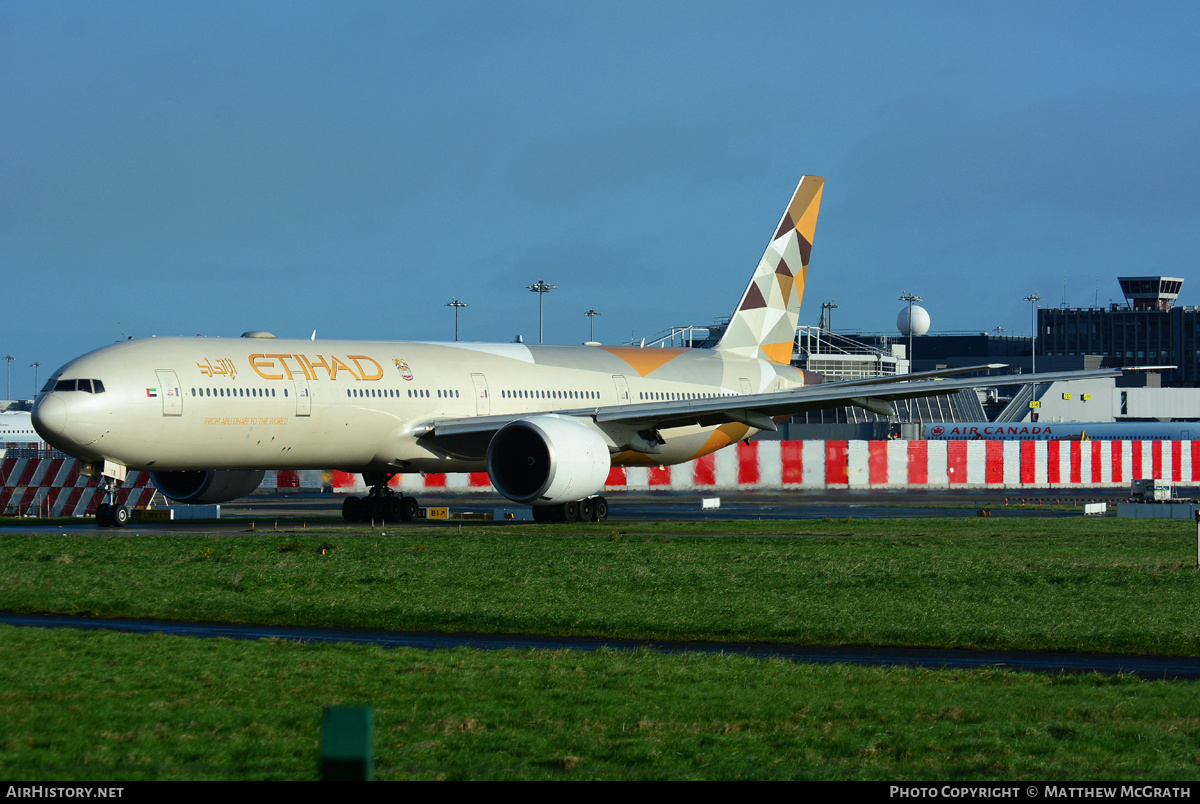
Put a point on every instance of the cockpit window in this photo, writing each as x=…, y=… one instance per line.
x=90, y=386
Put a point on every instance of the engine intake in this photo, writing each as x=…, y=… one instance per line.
x=205, y=488
x=546, y=460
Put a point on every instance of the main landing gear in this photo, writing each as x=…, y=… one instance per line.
x=108, y=513
x=593, y=509
x=381, y=504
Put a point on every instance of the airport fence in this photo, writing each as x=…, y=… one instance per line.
x=53, y=486
x=880, y=464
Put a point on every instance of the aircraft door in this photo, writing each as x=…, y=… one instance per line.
x=303, y=396
x=168, y=389
x=483, y=404
x=622, y=389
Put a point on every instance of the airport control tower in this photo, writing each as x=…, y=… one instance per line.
x=1151, y=292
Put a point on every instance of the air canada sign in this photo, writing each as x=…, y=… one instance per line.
x=991, y=431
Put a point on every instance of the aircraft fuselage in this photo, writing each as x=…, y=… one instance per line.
x=261, y=403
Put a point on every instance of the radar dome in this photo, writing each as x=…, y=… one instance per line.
x=920, y=320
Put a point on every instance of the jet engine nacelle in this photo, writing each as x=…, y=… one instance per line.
x=546, y=460
x=205, y=488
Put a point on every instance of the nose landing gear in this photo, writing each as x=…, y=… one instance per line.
x=108, y=513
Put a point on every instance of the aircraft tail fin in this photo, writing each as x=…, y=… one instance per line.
x=764, y=323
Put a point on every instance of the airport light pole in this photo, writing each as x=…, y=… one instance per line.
x=34, y=365
x=910, y=298
x=829, y=307
x=591, y=314
x=1033, y=299
x=456, y=304
x=541, y=289
x=8, y=376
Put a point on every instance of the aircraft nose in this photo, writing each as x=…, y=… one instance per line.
x=50, y=417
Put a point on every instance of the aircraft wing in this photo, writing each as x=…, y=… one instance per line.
x=756, y=410
x=875, y=394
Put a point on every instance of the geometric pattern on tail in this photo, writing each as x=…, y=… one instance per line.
x=764, y=323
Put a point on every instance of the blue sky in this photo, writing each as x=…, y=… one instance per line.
x=171, y=168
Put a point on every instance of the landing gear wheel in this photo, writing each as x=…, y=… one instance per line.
x=586, y=511
x=119, y=515
x=543, y=513
x=104, y=515
x=381, y=504
x=408, y=508
x=599, y=509
x=570, y=512
x=394, y=509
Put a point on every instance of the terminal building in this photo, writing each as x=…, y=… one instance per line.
x=1149, y=330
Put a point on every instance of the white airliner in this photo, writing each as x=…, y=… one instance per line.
x=16, y=427
x=206, y=417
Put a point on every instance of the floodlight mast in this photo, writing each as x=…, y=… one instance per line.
x=591, y=314
x=541, y=289
x=457, y=305
x=910, y=298
x=827, y=309
x=1033, y=299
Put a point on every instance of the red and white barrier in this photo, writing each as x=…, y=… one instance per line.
x=53, y=486
x=880, y=464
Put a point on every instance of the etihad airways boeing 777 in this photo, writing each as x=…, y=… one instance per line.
x=206, y=417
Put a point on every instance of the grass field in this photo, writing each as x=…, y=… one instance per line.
x=112, y=706
x=115, y=706
x=1122, y=586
